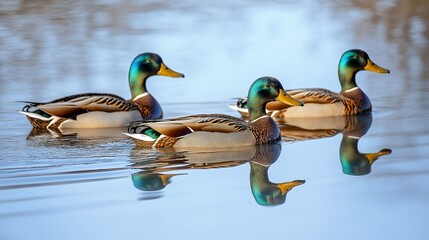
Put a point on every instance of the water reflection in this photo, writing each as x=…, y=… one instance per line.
x=155, y=174
x=353, y=162
x=150, y=181
x=43, y=136
x=264, y=191
x=54, y=48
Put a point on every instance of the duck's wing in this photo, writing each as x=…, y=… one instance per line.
x=180, y=126
x=308, y=95
x=315, y=95
x=71, y=106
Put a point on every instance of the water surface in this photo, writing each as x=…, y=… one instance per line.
x=94, y=184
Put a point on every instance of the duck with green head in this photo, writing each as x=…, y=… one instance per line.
x=103, y=110
x=320, y=102
x=218, y=130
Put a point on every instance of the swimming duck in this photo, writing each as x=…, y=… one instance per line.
x=103, y=110
x=218, y=130
x=322, y=102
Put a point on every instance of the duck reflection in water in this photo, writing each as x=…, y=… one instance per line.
x=264, y=191
x=352, y=127
x=153, y=176
x=150, y=181
x=353, y=161
x=78, y=136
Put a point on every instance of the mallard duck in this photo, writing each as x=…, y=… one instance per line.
x=218, y=130
x=101, y=110
x=322, y=102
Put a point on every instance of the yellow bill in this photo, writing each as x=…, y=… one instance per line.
x=284, y=97
x=373, y=156
x=287, y=186
x=371, y=66
x=165, y=71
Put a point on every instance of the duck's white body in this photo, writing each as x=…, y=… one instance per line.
x=96, y=119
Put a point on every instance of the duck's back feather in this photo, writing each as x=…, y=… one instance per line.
x=180, y=126
x=71, y=106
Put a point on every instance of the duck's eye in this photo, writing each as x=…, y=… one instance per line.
x=149, y=61
x=268, y=85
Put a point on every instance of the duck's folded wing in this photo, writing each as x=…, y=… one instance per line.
x=180, y=126
x=308, y=95
x=69, y=107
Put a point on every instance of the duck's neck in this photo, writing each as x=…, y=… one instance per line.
x=256, y=108
x=137, y=81
x=259, y=173
x=347, y=78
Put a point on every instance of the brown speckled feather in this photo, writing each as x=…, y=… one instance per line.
x=265, y=130
x=37, y=123
x=353, y=102
x=315, y=95
x=76, y=104
x=181, y=126
x=172, y=130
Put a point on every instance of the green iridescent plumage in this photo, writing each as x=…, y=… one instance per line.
x=148, y=181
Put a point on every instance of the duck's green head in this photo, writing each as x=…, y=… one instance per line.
x=264, y=90
x=144, y=66
x=353, y=61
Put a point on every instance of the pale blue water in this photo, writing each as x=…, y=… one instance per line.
x=85, y=185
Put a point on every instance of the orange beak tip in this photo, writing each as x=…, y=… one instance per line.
x=386, y=150
x=301, y=181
